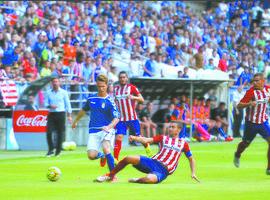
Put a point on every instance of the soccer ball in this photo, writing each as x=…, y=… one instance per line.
x=65, y=146
x=54, y=174
x=69, y=146
x=72, y=145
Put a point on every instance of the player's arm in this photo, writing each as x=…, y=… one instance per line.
x=142, y=140
x=78, y=117
x=111, y=125
x=192, y=167
x=246, y=101
x=242, y=105
x=82, y=112
x=138, y=98
x=135, y=94
x=191, y=161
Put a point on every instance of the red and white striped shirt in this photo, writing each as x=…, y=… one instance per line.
x=9, y=92
x=257, y=114
x=125, y=105
x=170, y=151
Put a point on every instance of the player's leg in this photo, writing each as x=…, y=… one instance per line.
x=134, y=126
x=148, y=179
x=265, y=133
x=250, y=131
x=106, y=146
x=134, y=160
x=268, y=156
x=154, y=170
x=93, y=146
x=121, y=130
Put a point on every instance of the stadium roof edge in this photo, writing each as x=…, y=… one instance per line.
x=162, y=88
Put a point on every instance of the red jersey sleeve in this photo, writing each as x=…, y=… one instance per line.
x=248, y=96
x=157, y=139
x=186, y=150
x=134, y=90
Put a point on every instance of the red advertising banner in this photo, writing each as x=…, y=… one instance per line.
x=30, y=121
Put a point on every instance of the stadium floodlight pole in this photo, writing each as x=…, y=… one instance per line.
x=191, y=105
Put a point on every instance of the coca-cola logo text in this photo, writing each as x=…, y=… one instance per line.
x=39, y=120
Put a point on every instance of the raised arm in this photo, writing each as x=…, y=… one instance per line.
x=142, y=140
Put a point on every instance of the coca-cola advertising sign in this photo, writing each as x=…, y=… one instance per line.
x=30, y=121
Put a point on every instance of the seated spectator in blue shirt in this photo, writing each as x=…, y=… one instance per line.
x=149, y=68
x=185, y=74
x=180, y=74
x=10, y=57
x=171, y=49
x=244, y=78
x=210, y=64
x=105, y=50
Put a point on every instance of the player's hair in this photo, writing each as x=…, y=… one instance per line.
x=102, y=78
x=122, y=72
x=259, y=74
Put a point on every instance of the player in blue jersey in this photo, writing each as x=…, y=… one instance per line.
x=104, y=116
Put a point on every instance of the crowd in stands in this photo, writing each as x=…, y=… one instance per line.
x=76, y=40
x=44, y=38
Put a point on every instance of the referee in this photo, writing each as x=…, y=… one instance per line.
x=58, y=103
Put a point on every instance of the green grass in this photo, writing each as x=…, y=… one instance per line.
x=22, y=176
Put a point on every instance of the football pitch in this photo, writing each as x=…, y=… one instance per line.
x=23, y=176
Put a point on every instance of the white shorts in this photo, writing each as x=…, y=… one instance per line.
x=95, y=140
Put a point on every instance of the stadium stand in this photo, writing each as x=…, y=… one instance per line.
x=81, y=40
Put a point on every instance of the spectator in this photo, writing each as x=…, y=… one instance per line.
x=210, y=64
x=46, y=71
x=222, y=65
x=145, y=116
x=220, y=115
x=199, y=59
x=150, y=66
x=244, y=78
x=136, y=66
x=185, y=74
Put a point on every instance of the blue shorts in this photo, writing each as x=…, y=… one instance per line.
x=252, y=129
x=133, y=125
x=151, y=166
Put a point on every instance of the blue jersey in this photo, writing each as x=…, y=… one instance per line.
x=102, y=111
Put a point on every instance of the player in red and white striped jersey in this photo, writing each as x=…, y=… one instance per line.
x=160, y=165
x=126, y=95
x=255, y=101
